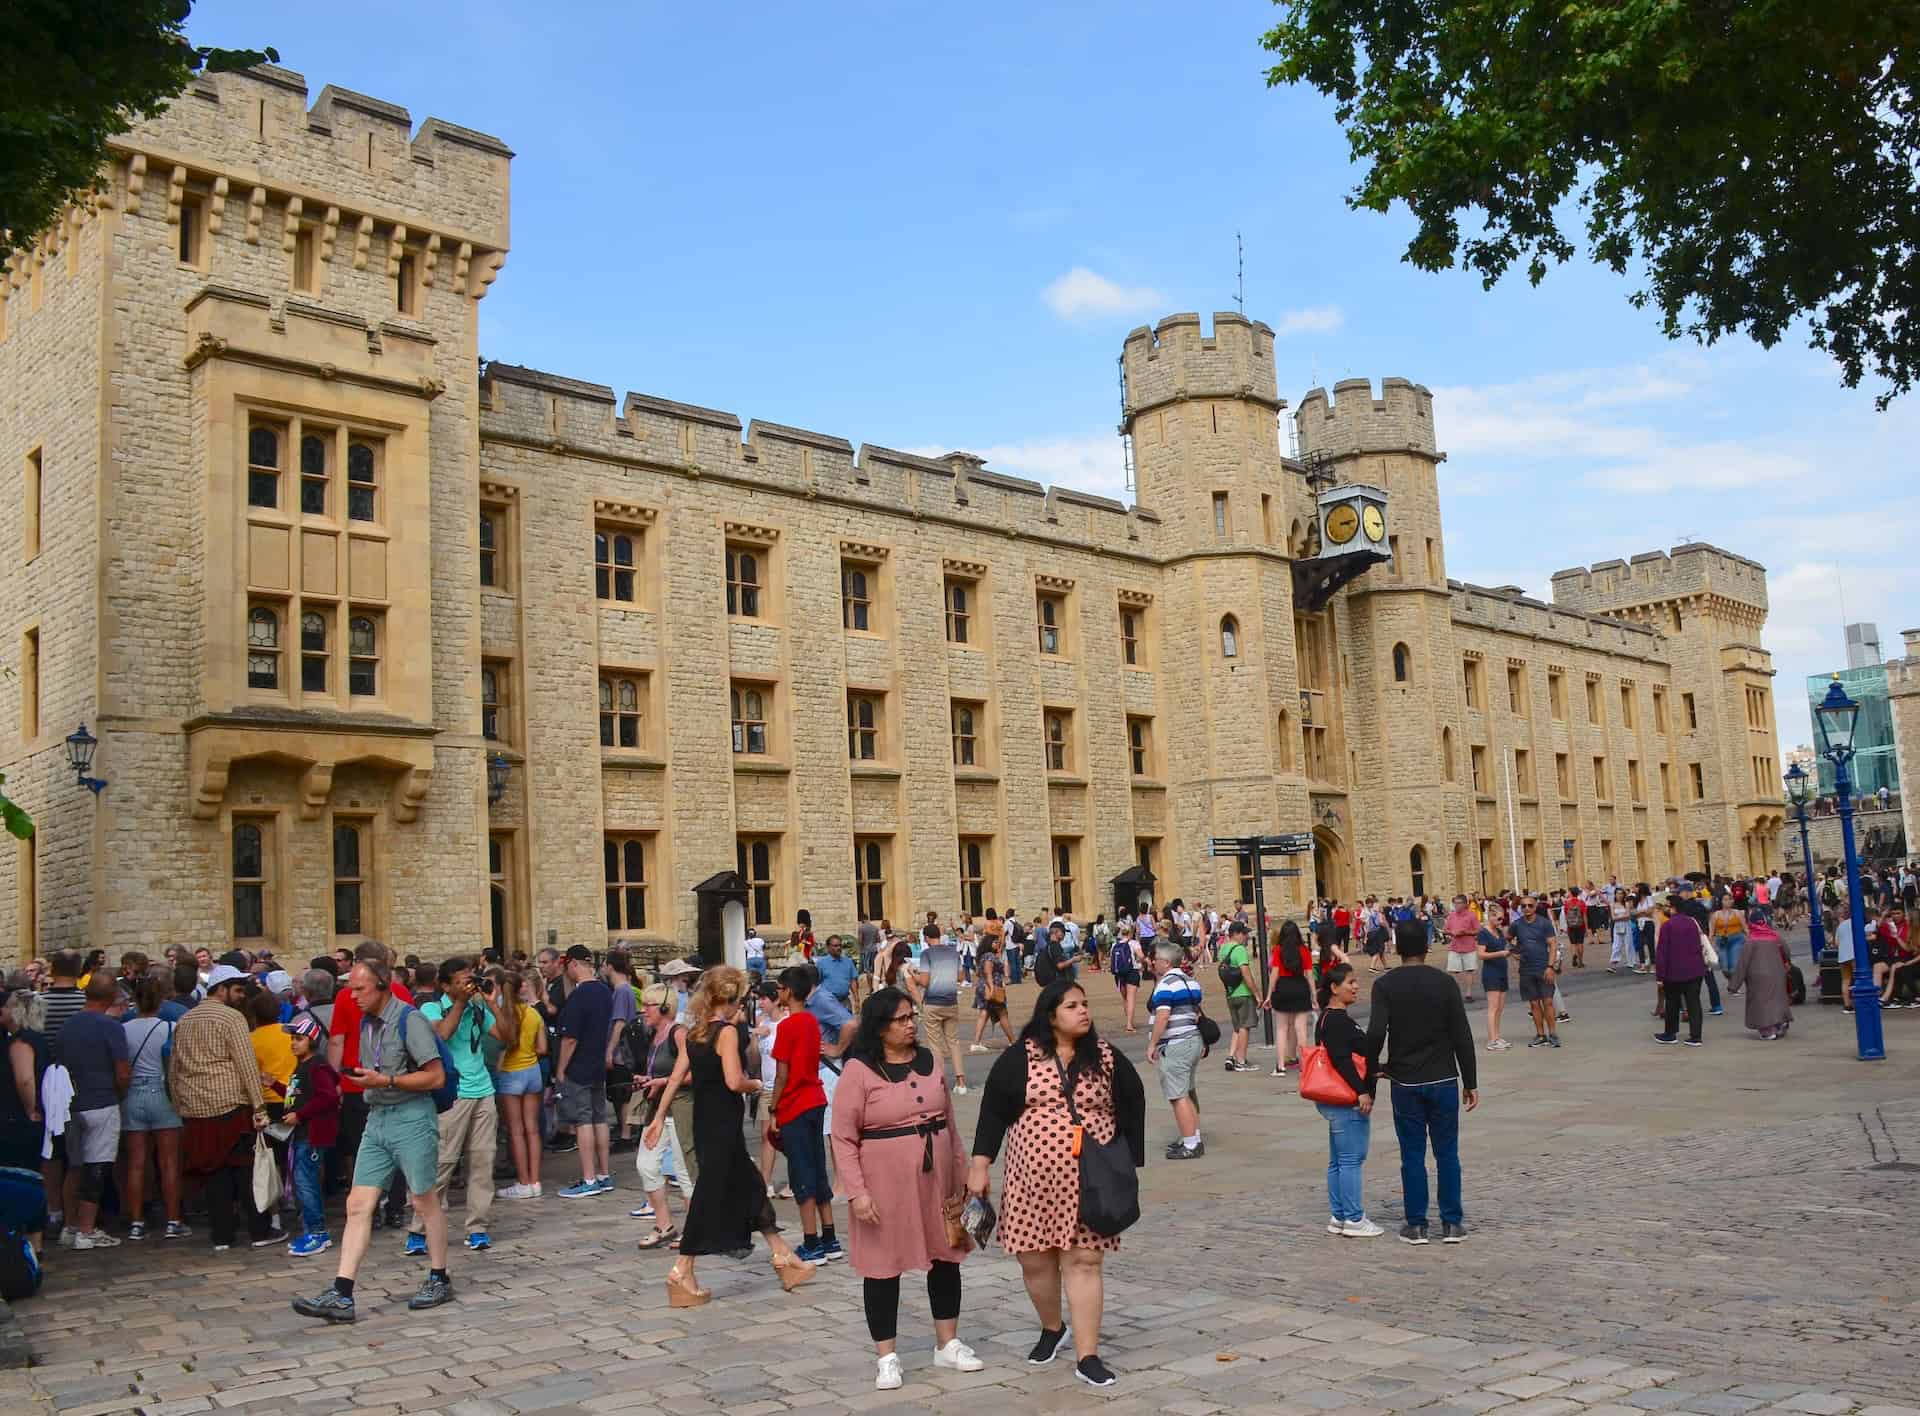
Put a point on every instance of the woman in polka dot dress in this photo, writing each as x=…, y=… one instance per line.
x=1025, y=1104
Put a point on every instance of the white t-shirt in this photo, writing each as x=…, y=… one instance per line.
x=756, y=946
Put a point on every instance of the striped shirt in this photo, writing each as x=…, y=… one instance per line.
x=1181, y=995
x=62, y=1003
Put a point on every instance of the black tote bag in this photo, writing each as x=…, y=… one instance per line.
x=1109, y=1185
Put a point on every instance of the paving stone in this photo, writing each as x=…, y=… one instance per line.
x=1524, y=1387
x=1818, y=1403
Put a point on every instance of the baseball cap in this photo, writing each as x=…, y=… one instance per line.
x=279, y=982
x=224, y=973
x=304, y=1025
x=580, y=952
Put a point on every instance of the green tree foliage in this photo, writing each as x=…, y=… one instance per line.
x=1754, y=161
x=16, y=821
x=73, y=73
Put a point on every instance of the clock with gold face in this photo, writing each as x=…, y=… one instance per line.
x=1373, y=523
x=1342, y=522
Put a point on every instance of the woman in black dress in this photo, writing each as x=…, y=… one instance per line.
x=729, y=1198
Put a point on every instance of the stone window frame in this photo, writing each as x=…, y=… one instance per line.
x=1136, y=649
x=1446, y=753
x=1602, y=780
x=269, y=882
x=773, y=753
x=1556, y=693
x=872, y=868
x=501, y=731
x=1142, y=749
x=1629, y=711
x=1524, y=785
x=1696, y=781
x=1636, y=782
x=1519, y=695
x=1563, y=776
x=976, y=866
x=865, y=567
x=266, y=645
x=975, y=746
x=303, y=255
x=1057, y=736
x=1063, y=860
x=362, y=660
x=1596, y=702
x=494, y=537
x=868, y=742
x=761, y=544
x=757, y=856
x=1474, y=681
x=32, y=498
x=504, y=892
x=620, y=884
x=1477, y=769
x=321, y=654
x=1660, y=719
x=613, y=519
x=1053, y=618
x=611, y=685
x=367, y=882
x=1402, y=663
x=1230, y=642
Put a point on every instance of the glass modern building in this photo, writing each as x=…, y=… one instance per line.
x=1874, y=765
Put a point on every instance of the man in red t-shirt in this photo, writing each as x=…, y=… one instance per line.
x=797, y=1114
x=343, y=1051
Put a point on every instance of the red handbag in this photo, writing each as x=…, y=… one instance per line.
x=1321, y=1081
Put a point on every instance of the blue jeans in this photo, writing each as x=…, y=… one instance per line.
x=1713, y=990
x=1423, y=1113
x=1347, y=1135
x=1730, y=947
x=309, y=1162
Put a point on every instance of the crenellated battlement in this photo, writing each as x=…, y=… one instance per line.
x=1176, y=359
x=253, y=139
x=1508, y=609
x=1689, y=571
x=1354, y=421
x=568, y=417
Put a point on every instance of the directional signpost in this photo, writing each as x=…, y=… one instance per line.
x=1256, y=851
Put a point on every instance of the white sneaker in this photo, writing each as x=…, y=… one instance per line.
x=976, y=1047
x=888, y=1378
x=957, y=1355
x=960, y=1090
x=1336, y=1226
x=515, y=1191
x=1499, y=1044
x=1361, y=1229
x=69, y=1238
x=99, y=1239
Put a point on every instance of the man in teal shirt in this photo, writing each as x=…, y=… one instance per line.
x=1241, y=1002
x=471, y=1126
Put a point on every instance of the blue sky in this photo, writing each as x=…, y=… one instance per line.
x=931, y=228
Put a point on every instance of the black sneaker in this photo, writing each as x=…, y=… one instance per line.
x=1690, y=1042
x=1179, y=1150
x=563, y=1145
x=1453, y=1234
x=1553, y=1039
x=433, y=1292
x=1666, y=1037
x=1093, y=1372
x=1048, y=1347
x=330, y=1304
x=1413, y=1234
x=1540, y=1041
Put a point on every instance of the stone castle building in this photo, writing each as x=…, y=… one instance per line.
x=308, y=573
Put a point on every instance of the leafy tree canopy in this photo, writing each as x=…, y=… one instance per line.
x=1758, y=160
x=73, y=73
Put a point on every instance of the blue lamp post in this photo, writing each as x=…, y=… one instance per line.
x=1799, y=792
x=1835, y=718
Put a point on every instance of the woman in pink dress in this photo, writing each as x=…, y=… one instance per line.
x=897, y=1152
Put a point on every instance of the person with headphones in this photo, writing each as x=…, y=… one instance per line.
x=399, y=1070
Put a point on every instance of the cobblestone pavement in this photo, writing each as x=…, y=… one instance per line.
x=1708, y=1232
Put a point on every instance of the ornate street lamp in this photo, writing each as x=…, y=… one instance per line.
x=499, y=769
x=1834, y=719
x=80, y=748
x=1825, y=956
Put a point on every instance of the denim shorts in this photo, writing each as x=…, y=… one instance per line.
x=146, y=1108
x=803, y=1141
x=524, y=1082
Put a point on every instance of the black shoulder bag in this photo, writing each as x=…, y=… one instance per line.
x=1109, y=1185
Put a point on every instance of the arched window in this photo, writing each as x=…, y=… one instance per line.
x=1229, y=638
x=855, y=607
x=1056, y=742
x=490, y=704
x=313, y=652
x=1446, y=754
x=1402, y=663
x=360, y=482
x=263, y=648
x=363, y=657
x=749, y=722
x=1417, y=865
x=313, y=475
x=743, y=583
x=964, y=742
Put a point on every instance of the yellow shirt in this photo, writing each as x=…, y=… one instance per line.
x=274, y=1052
x=522, y=1054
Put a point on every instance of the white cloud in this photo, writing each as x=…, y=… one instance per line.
x=1716, y=466
x=1321, y=319
x=1082, y=294
x=1092, y=463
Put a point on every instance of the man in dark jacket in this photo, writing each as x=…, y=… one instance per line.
x=1417, y=1017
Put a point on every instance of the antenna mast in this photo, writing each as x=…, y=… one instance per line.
x=1240, y=274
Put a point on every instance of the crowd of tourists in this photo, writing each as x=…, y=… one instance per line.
x=307, y=1111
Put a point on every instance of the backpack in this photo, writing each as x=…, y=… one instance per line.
x=1796, y=985
x=1122, y=959
x=1232, y=975
x=1046, y=967
x=448, y=1091
x=1829, y=895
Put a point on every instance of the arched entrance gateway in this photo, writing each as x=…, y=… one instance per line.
x=1330, y=874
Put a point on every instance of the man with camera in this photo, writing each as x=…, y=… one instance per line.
x=463, y=1015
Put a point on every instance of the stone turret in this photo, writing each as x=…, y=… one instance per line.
x=1354, y=421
